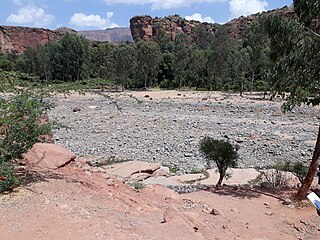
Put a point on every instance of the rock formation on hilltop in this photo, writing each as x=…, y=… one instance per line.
x=238, y=27
x=147, y=28
x=17, y=39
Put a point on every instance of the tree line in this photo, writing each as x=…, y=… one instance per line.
x=206, y=62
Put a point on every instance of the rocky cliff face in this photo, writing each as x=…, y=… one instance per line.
x=146, y=27
x=17, y=39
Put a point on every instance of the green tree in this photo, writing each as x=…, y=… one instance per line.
x=124, y=58
x=221, y=152
x=203, y=38
x=20, y=128
x=73, y=52
x=99, y=62
x=5, y=63
x=148, y=58
x=307, y=10
x=217, y=58
x=297, y=64
x=181, y=58
x=197, y=66
x=256, y=41
x=166, y=71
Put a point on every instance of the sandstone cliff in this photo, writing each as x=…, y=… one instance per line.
x=146, y=27
x=17, y=39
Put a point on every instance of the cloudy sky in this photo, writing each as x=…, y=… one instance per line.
x=101, y=14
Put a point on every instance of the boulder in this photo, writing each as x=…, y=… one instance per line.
x=49, y=156
x=238, y=176
x=127, y=169
x=164, y=181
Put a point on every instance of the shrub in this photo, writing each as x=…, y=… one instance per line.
x=137, y=185
x=276, y=177
x=7, y=177
x=20, y=129
x=222, y=152
x=280, y=175
x=297, y=168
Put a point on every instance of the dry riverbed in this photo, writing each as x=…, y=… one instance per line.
x=166, y=126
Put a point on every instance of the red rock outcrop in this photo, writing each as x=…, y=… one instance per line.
x=147, y=28
x=17, y=39
x=48, y=156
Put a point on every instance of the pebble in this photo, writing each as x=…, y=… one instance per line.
x=168, y=131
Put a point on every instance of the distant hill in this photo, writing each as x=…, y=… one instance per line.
x=114, y=35
x=15, y=39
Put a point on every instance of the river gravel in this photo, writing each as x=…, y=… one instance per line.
x=168, y=129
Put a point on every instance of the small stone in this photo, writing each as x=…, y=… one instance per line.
x=299, y=229
x=106, y=175
x=215, y=212
x=234, y=210
x=266, y=204
x=76, y=110
x=109, y=182
x=287, y=201
x=268, y=213
x=304, y=222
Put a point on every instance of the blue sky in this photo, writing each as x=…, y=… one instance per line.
x=101, y=14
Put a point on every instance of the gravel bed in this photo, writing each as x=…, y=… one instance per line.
x=168, y=130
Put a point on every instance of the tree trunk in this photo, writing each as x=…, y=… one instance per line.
x=252, y=80
x=311, y=172
x=221, y=177
x=145, y=81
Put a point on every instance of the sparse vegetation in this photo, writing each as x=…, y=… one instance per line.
x=137, y=185
x=109, y=161
x=20, y=128
x=174, y=170
x=221, y=152
x=297, y=168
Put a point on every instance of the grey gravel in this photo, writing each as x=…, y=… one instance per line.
x=169, y=130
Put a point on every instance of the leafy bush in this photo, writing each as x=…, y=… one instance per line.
x=20, y=129
x=8, y=179
x=168, y=84
x=222, y=152
x=276, y=177
x=261, y=85
x=282, y=172
x=6, y=65
x=137, y=185
x=298, y=169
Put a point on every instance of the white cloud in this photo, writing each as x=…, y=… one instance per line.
x=163, y=4
x=31, y=15
x=17, y=2
x=246, y=7
x=198, y=17
x=82, y=20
